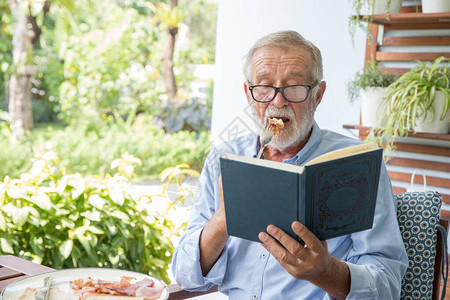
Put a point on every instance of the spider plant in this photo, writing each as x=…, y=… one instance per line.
x=410, y=99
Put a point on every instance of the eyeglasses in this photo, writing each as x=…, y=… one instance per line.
x=292, y=93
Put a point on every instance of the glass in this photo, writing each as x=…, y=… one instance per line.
x=292, y=93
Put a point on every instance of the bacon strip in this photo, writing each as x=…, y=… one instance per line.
x=142, y=289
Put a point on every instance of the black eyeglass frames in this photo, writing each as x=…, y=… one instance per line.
x=292, y=93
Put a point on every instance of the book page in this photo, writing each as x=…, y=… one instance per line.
x=264, y=162
x=344, y=152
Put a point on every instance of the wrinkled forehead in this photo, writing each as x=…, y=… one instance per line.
x=296, y=59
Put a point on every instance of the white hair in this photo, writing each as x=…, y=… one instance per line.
x=286, y=40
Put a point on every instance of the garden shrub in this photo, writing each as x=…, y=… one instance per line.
x=88, y=148
x=14, y=159
x=89, y=151
x=67, y=220
x=190, y=115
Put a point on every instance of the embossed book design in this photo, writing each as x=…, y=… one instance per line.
x=333, y=194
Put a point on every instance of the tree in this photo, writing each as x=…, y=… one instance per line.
x=171, y=16
x=5, y=48
x=24, y=35
x=28, y=18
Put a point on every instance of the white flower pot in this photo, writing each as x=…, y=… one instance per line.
x=371, y=112
x=380, y=7
x=435, y=6
x=435, y=125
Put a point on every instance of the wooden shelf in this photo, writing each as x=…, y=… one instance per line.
x=402, y=174
x=419, y=150
x=422, y=135
x=411, y=20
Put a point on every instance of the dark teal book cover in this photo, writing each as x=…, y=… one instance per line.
x=331, y=198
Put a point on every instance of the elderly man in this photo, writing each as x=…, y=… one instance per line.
x=284, y=80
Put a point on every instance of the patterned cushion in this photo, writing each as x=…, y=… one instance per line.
x=418, y=218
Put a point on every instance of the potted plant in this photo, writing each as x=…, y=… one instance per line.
x=370, y=85
x=419, y=100
x=368, y=8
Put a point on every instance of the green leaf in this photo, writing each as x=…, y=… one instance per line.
x=43, y=201
x=95, y=230
x=96, y=201
x=66, y=248
x=121, y=215
x=84, y=242
x=113, y=258
x=6, y=246
x=92, y=215
x=77, y=191
x=166, y=173
x=36, y=245
x=20, y=217
x=116, y=195
x=16, y=193
x=2, y=222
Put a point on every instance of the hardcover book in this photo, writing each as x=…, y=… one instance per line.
x=332, y=195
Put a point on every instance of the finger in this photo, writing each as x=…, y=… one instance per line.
x=278, y=252
x=310, y=240
x=291, y=244
x=221, y=192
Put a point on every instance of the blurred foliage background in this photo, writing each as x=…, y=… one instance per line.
x=99, y=91
x=105, y=79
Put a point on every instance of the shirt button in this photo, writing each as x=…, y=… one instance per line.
x=255, y=296
x=263, y=255
x=297, y=163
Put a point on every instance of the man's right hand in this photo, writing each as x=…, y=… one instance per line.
x=214, y=236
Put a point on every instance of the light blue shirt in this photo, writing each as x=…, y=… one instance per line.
x=245, y=270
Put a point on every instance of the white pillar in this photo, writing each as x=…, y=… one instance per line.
x=324, y=22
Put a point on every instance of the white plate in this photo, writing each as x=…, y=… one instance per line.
x=62, y=278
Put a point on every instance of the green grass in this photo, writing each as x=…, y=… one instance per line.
x=47, y=130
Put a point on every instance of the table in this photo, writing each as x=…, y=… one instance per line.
x=13, y=268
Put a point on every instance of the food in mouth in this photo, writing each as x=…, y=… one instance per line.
x=275, y=124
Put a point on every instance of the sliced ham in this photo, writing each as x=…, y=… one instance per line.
x=126, y=288
x=150, y=292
